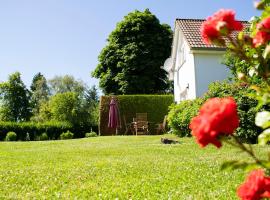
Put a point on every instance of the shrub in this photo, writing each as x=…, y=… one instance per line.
x=156, y=106
x=43, y=137
x=246, y=107
x=91, y=134
x=180, y=115
x=79, y=110
x=67, y=135
x=11, y=136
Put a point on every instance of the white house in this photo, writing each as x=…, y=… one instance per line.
x=193, y=64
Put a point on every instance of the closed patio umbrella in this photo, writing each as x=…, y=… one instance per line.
x=114, y=119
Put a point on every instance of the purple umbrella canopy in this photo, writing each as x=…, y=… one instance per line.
x=114, y=119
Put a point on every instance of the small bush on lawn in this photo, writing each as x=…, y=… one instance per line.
x=180, y=115
x=43, y=137
x=91, y=134
x=11, y=136
x=67, y=135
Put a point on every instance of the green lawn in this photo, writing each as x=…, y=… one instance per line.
x=122, y=167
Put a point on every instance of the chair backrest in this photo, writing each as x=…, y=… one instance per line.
x=141, y=116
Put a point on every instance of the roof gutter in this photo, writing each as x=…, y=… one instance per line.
x=207, y=50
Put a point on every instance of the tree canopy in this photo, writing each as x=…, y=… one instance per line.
x=15, y=105
x=67, y=83
x=39, y=93
x=131, y=62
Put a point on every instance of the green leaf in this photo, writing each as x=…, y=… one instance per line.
x=264, y=137
x=266, y=164
x=263, y=119
x=241, y=35
x=235, y=164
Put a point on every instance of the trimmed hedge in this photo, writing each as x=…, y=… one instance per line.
x=35, y=130
x=156, y=107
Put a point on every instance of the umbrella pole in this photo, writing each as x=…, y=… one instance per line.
x=116, y=131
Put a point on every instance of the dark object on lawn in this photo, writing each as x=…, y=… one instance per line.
x=169, y=141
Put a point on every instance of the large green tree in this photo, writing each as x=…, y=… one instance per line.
x=71, y=100
x=15, y=105
x=131, y=62
x=65, y=106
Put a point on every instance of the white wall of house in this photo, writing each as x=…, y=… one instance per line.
x=208, y=68
x=193, y=70
x=184, y=75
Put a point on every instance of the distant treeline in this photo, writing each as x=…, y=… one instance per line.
x=61, y=99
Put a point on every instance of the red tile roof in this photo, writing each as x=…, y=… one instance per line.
x=191, y=30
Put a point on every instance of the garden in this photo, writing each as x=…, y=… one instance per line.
x=56, y=142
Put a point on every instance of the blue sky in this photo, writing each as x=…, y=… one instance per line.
x=57, y=37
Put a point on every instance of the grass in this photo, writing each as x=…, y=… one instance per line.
x=119, y=167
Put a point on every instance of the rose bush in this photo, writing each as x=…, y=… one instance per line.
x=218, y=118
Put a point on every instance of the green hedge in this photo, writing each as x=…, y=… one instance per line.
x=35, y=130
x=156, y=107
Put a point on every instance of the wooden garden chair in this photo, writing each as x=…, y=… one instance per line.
x=140, y=123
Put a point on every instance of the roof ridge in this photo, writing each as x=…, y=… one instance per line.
x=190, y=19
x=196, y=19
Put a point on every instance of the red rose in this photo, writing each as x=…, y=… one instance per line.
x=218, y=116
x=209, y=32
x=261, y=38
x=228, y=16
x=221, y=23
x=263, y=34
x=257, y=186
x=264, y=24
